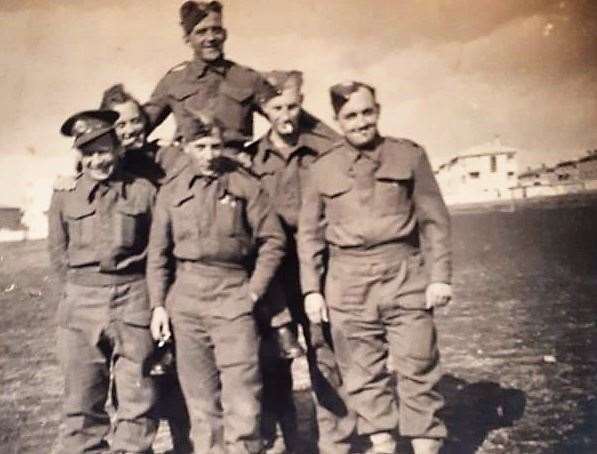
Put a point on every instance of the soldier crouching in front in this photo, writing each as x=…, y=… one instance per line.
x=97, y=242
x=213, y=218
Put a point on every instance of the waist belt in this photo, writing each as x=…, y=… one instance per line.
x=386, y=253
x=210, y=268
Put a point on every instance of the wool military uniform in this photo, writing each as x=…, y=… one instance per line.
x=282, y=173
x=97, y=241
x=371, y=209
x=222, y=90
x=212, y=225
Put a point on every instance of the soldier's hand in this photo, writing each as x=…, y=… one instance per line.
x=438, y=294
x=315, y=308
x=160, y=324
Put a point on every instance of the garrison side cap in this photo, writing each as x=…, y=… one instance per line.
x=193, y=12
x=202, y=125
x=89, y=125
x=340, y=93
x=273, y=83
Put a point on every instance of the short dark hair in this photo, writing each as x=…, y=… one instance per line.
x=116, y=94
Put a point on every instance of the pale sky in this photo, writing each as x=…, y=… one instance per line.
x=450, y=74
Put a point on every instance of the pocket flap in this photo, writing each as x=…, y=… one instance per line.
x=79, y=212
x=130, y=209
x=334, y=185
x=240, y=94
x=183, y=91
x=394, y=171
x=138, y=318
x=182, y=198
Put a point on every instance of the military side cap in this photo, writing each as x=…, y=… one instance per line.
x=340, y=93
x=89, y=126
x=275, y=82
x=192, y=12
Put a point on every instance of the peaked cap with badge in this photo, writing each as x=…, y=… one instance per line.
x=92, y=129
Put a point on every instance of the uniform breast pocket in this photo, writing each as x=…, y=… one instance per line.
x=233, y=105
x=393, y=196
x=230, y=216
x=336, y=194
x=131, y=226
x=185, y=222
x=81, y=226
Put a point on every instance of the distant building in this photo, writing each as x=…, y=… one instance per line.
x=479, y=174
x=587, y=170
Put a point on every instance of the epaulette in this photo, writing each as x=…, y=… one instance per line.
x=403, y=141
x=179, y=67
x=335, y=146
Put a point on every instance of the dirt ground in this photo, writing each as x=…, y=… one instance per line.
x=512, y=384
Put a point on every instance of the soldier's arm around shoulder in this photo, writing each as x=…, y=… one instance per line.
x=433, y=218
x=310, y=237
x=266, y=229
x=58, y=236
x=159, y=255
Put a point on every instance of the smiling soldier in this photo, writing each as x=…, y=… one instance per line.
x=371, y=200
x=97, y=242
x=208, y=84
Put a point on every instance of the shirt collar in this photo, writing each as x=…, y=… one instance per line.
x=89, y=186
x=372, y=154
x=198, y=67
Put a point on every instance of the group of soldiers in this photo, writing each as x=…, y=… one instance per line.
x=222, y=247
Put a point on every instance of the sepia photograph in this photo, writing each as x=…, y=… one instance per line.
x=298, y=227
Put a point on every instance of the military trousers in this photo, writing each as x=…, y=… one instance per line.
x=336, y=423
x=100, y=327
x=217, y=357
x=377, y=308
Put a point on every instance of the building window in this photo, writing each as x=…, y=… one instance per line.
x=474, y=175
x=493, y=164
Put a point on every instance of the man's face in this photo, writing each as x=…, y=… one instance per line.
x=99, y=165
x=358, y=118
x=283, y=111
x=205, y=150
x=208, y=37
x=130, y=126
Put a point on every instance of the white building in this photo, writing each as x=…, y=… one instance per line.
x=482, y=173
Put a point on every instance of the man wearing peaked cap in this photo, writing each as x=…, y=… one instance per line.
x=98, y=243
x=212, y=219
x=283, y=158
x=381, y=287
x=209, y=82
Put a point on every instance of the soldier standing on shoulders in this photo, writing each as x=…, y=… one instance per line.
x=209, y=83
x=97, y=242
x=282, y=158
x=371, y=200
x=212, y=219
x=210, y=86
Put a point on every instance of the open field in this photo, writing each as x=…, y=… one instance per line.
x=518, y=343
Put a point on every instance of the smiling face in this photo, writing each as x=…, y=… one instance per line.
x=207, y=38
x=130, y=126
x=100, y=164
x=283, y=111
x=358, y=118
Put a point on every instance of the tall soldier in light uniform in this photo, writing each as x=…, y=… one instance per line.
x=213, y=218
x=97, y=242
x=281, y=158
x=210, y=86
x=371, y=200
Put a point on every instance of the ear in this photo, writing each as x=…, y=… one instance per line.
x=186, y=38
x=301, y=98
x=225, y=32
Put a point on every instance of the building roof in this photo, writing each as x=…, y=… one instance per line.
x=487, y=149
